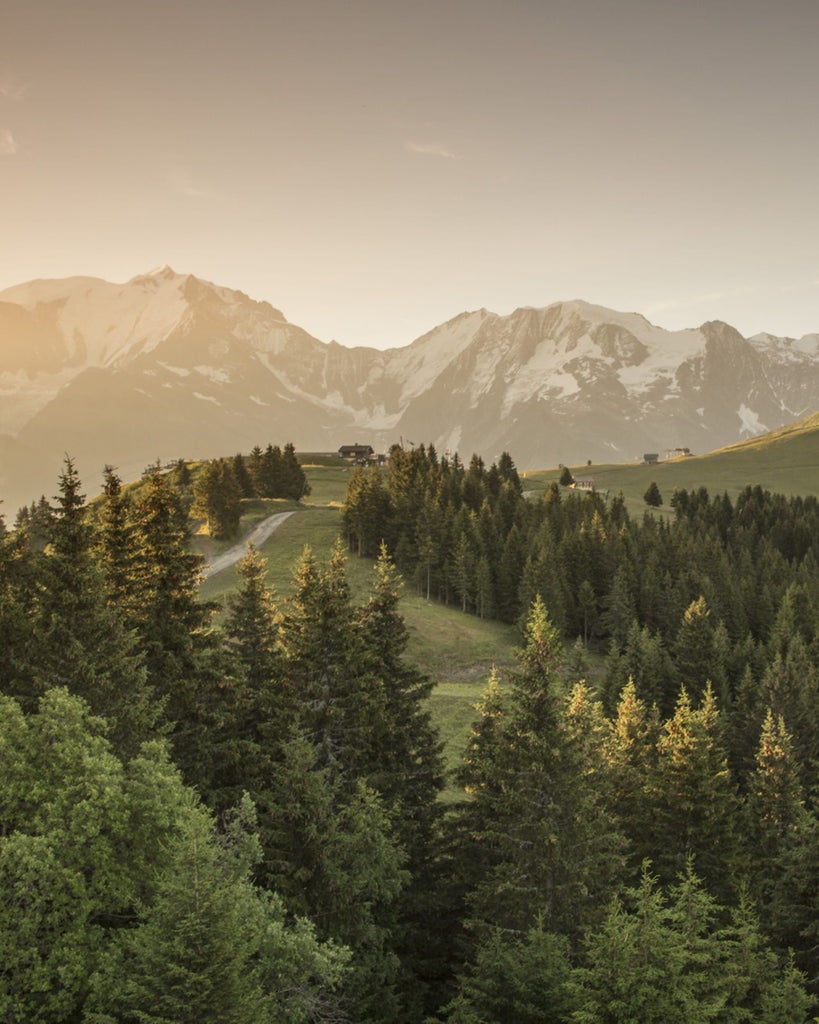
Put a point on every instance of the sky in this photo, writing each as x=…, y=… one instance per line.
x=373, y=168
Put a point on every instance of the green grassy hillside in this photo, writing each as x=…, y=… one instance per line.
x=784, y=461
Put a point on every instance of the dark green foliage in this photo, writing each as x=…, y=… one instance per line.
x=692, y=802
x=117, y=901
x=242, y=476
x=666, y=960
x=113, y=537
x=540, y=839
x=516, y=980
x=652, y=497
x=217, y=498
x=82, y=640
x=775, y=807
x=277, y=474
x=331, y=883
x=210, y=946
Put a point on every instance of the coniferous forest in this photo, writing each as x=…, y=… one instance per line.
x=241, y=821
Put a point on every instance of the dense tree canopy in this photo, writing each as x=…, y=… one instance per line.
x=241, y=821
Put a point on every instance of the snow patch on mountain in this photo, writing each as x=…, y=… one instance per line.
x=102, y=323
x=751, y=423
x=795, y=349
x=419, y=365
x=214, y=374
x=667, y=350
x=179, y=371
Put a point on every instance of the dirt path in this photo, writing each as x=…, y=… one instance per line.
x=257, y=537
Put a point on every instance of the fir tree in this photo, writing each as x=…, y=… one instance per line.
x=692, y=798
x=652, y=497
x=81, y=641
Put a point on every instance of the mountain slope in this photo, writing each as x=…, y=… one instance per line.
x=167, y=366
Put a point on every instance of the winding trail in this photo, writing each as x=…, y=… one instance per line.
x=256, y=537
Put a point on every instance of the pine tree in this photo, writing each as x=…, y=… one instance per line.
x=408, y=771
x=631, y=755
x=775, y=809
x=548, y=844
x=692, y=800
x=270, y=482
x=652, y=497
x=209, y=946
x=794, y=911
x=253, y=625
x=646, y=662
x=81, y=640
x=165, y=582
x=637, y=967
x=693, y=650
x=242, y=475
x=294, y=479
x=329, y=851
x=113, y=540
x=217, y=499
x=322, y=651
x=516, y=980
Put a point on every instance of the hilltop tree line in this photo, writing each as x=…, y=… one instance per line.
x=242, y=823
x=726, y=591
x=223, y=483
x=214, y=492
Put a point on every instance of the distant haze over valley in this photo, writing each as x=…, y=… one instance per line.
x=168, y=366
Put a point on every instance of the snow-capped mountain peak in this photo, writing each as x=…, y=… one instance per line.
x=170, y=365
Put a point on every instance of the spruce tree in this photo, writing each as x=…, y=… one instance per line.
x=775, y=808
x=516, y=979
x=546, y=841
x=323, y=662
x=692, y=801
x=81, y=640
x=652, y=497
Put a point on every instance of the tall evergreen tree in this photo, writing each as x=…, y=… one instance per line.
x=217, y=499
x=81, y=640
x=692, y=799
x=322, y=651
x=775, y=809
x=540, y=827
x=516, y=979
x=113, y=539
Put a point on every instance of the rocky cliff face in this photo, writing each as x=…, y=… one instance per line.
x=169, y=366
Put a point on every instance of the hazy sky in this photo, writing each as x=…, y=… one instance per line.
x=375, y=168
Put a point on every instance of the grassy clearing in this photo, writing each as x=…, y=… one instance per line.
x=785, y=461
x=317, y=528
x=452, y=707
x=450, y=645
x=327, y=477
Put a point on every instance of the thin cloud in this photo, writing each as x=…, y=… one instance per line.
x=431, y=149
x=182, y=183
x=8, y=143
x=12, y=88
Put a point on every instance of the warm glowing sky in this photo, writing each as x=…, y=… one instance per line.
x=374, y=167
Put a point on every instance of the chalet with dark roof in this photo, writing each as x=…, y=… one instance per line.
x=357, y=452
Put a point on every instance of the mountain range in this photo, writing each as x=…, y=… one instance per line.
x=168, y=366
